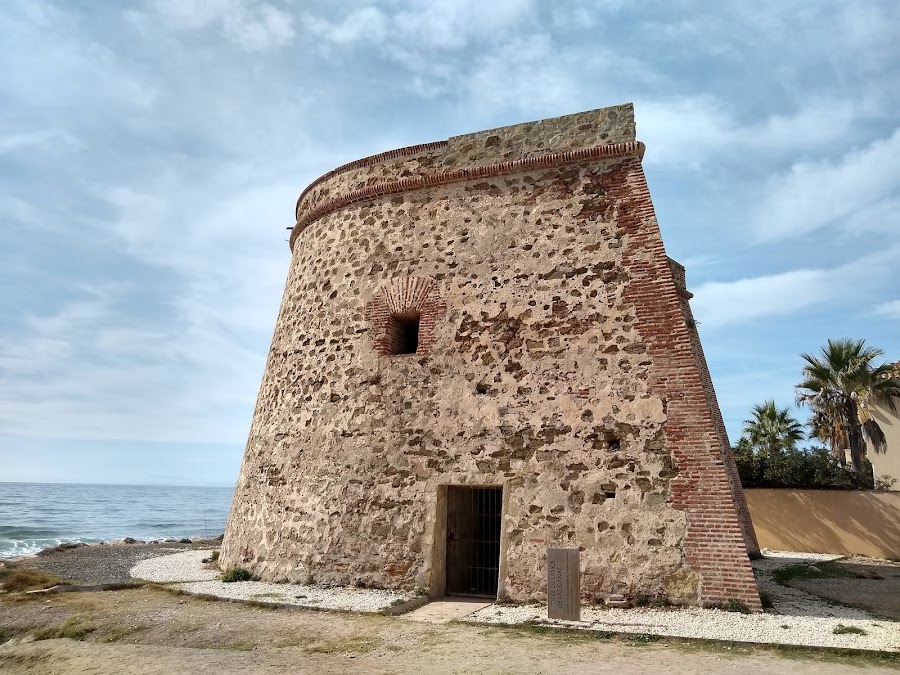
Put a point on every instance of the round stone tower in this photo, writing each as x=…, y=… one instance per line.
x=482, y=352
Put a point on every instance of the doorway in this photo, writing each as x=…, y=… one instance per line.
x=473, y=540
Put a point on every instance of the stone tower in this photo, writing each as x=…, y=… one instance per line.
x=483, y=351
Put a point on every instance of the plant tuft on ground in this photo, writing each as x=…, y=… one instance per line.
x=647, y=600
x=214, y=557
x=730, y=605
x=17, y=580
x=72, y=629
x=238, y=574
x=823, y=570
x=841, y=629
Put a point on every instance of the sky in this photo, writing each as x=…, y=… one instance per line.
x=151, y=153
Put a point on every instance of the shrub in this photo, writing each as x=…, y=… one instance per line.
x=841, y=629
x=730, y=605
x=72, y=629
x=15, y=580
x=647, y=600
x=812, y=469
x=237, y=574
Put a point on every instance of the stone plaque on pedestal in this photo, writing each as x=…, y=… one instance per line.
x=563, y=584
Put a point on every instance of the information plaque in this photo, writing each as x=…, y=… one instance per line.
x=563, y=584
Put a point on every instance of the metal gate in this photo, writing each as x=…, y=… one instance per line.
x=473, y=540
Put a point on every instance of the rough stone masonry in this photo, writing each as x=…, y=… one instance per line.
x=495, y=310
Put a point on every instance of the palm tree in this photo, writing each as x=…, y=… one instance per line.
x=772, y=430
x=841, y=387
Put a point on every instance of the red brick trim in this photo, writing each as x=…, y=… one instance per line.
x=369, y=161
x=387, y=188
x=714, y=545
x=734, y=478
x=406, y=296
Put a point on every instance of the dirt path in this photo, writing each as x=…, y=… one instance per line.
x=149, y=631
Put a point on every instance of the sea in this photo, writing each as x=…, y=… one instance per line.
x=35, y=516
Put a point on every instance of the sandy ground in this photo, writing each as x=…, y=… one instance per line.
x=150, y=630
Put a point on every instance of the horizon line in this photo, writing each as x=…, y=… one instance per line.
x=30, y=482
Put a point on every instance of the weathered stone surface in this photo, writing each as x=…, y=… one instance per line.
x=543, y=367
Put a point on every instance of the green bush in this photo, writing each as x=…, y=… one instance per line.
x=237, y=574
x=811, y=469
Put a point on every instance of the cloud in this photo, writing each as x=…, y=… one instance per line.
x=423, y=27
x=694, y=130
x=889, y=309
x=812, y=195
x=521, y=75
x=367, y=24
x=252, y=25
x=29, y=140
x=743, y=301
x=882, y=217
x=718, y=304
x=92, y=368
x=150, y=165
x=452, y=24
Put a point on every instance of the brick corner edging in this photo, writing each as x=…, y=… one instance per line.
x=714, y=542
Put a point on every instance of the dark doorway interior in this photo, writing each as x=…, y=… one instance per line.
x=473, y=540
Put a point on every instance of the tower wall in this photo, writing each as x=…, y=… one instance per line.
x=555, y=360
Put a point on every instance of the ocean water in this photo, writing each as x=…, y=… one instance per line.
x=34, y=516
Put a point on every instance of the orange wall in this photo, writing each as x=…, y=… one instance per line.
x=887, y=463
x=827, y=521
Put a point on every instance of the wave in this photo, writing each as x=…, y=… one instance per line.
x=18, y=532
x=13, y=548
x=163, y=526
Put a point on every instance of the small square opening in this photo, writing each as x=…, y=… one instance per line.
x=405, y=334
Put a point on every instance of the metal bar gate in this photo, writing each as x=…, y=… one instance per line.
x=473, y=540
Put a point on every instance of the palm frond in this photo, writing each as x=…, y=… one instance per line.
x=872, y=430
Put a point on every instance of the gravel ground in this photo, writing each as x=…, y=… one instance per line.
x=798, y=618
x=875, y=586
x=791, y=601
x=102, y=563
x=712, y=624
x=316, y=597
x=186, y=567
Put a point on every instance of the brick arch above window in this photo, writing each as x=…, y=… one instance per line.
x=403, y=305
